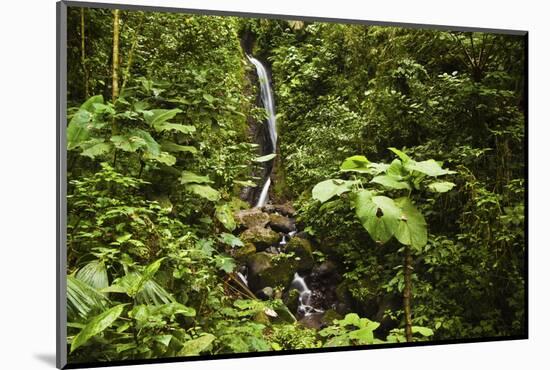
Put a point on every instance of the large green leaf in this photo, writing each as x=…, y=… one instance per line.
x=405, y=158
x=204, y=191
x=78, y=130
x=195, y=346
x=441, y=186
x=429, y=167
x=188, y=177
x=327, y=189
x=412, y=229
x=90, y=104
x=173, y=147
x=378, y=214
x=128, y=143
x=426, y=332
x=97, y=325
x=151, y=144
x=390, y=182
x=96, y=149
x=225, y=263
x=356, y=163
x=162, y=157
x=225, y=215
x=231, y=240
x=158, y=116
x=396, y=170
x=167, y=126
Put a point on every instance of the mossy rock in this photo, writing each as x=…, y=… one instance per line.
x=243, y=252
x=303, y=250
x=281, y=223
x=260, y=237
x=292, y=300
x=250, y=218
x=265, y=270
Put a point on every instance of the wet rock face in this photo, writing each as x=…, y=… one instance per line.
x=249, y=218
x=281, y=223
x=303, y=251
x=265, y=270
x=260, y=237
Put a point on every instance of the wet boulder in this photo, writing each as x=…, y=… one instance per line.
x=313, y=321
x=249, y=218
x=260, y=237
x=325, y=269
x=285, y=209
x=281, y=223
x=266, y=270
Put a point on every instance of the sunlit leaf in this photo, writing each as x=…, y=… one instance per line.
x=195, y=346
x=224, y=214
x=356, y=163
x=327, y=189
x=96, y=325
x=379, y=215
x=390, y=182
x=188, y=177
x=204, y=191
x=412, y=229
x=265, y=158
x=441, y=186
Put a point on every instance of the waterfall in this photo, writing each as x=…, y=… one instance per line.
x=262, y=200
x=269, y=105
x=304, y=299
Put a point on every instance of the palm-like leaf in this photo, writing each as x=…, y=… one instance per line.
x=94, y=274
x=83, y=300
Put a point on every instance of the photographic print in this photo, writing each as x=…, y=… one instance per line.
x=239, y=184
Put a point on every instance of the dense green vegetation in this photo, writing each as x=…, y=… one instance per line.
x=400, y=150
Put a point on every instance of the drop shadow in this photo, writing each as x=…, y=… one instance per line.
x=46, y=358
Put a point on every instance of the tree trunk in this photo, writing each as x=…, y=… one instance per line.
x=116, y=62
x=83, y=54
x=126, y=73
x=407, y=292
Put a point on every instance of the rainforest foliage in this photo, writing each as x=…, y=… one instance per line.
x=401, y=151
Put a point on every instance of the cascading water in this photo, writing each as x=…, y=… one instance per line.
x=269, y=105
x=304, y=299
